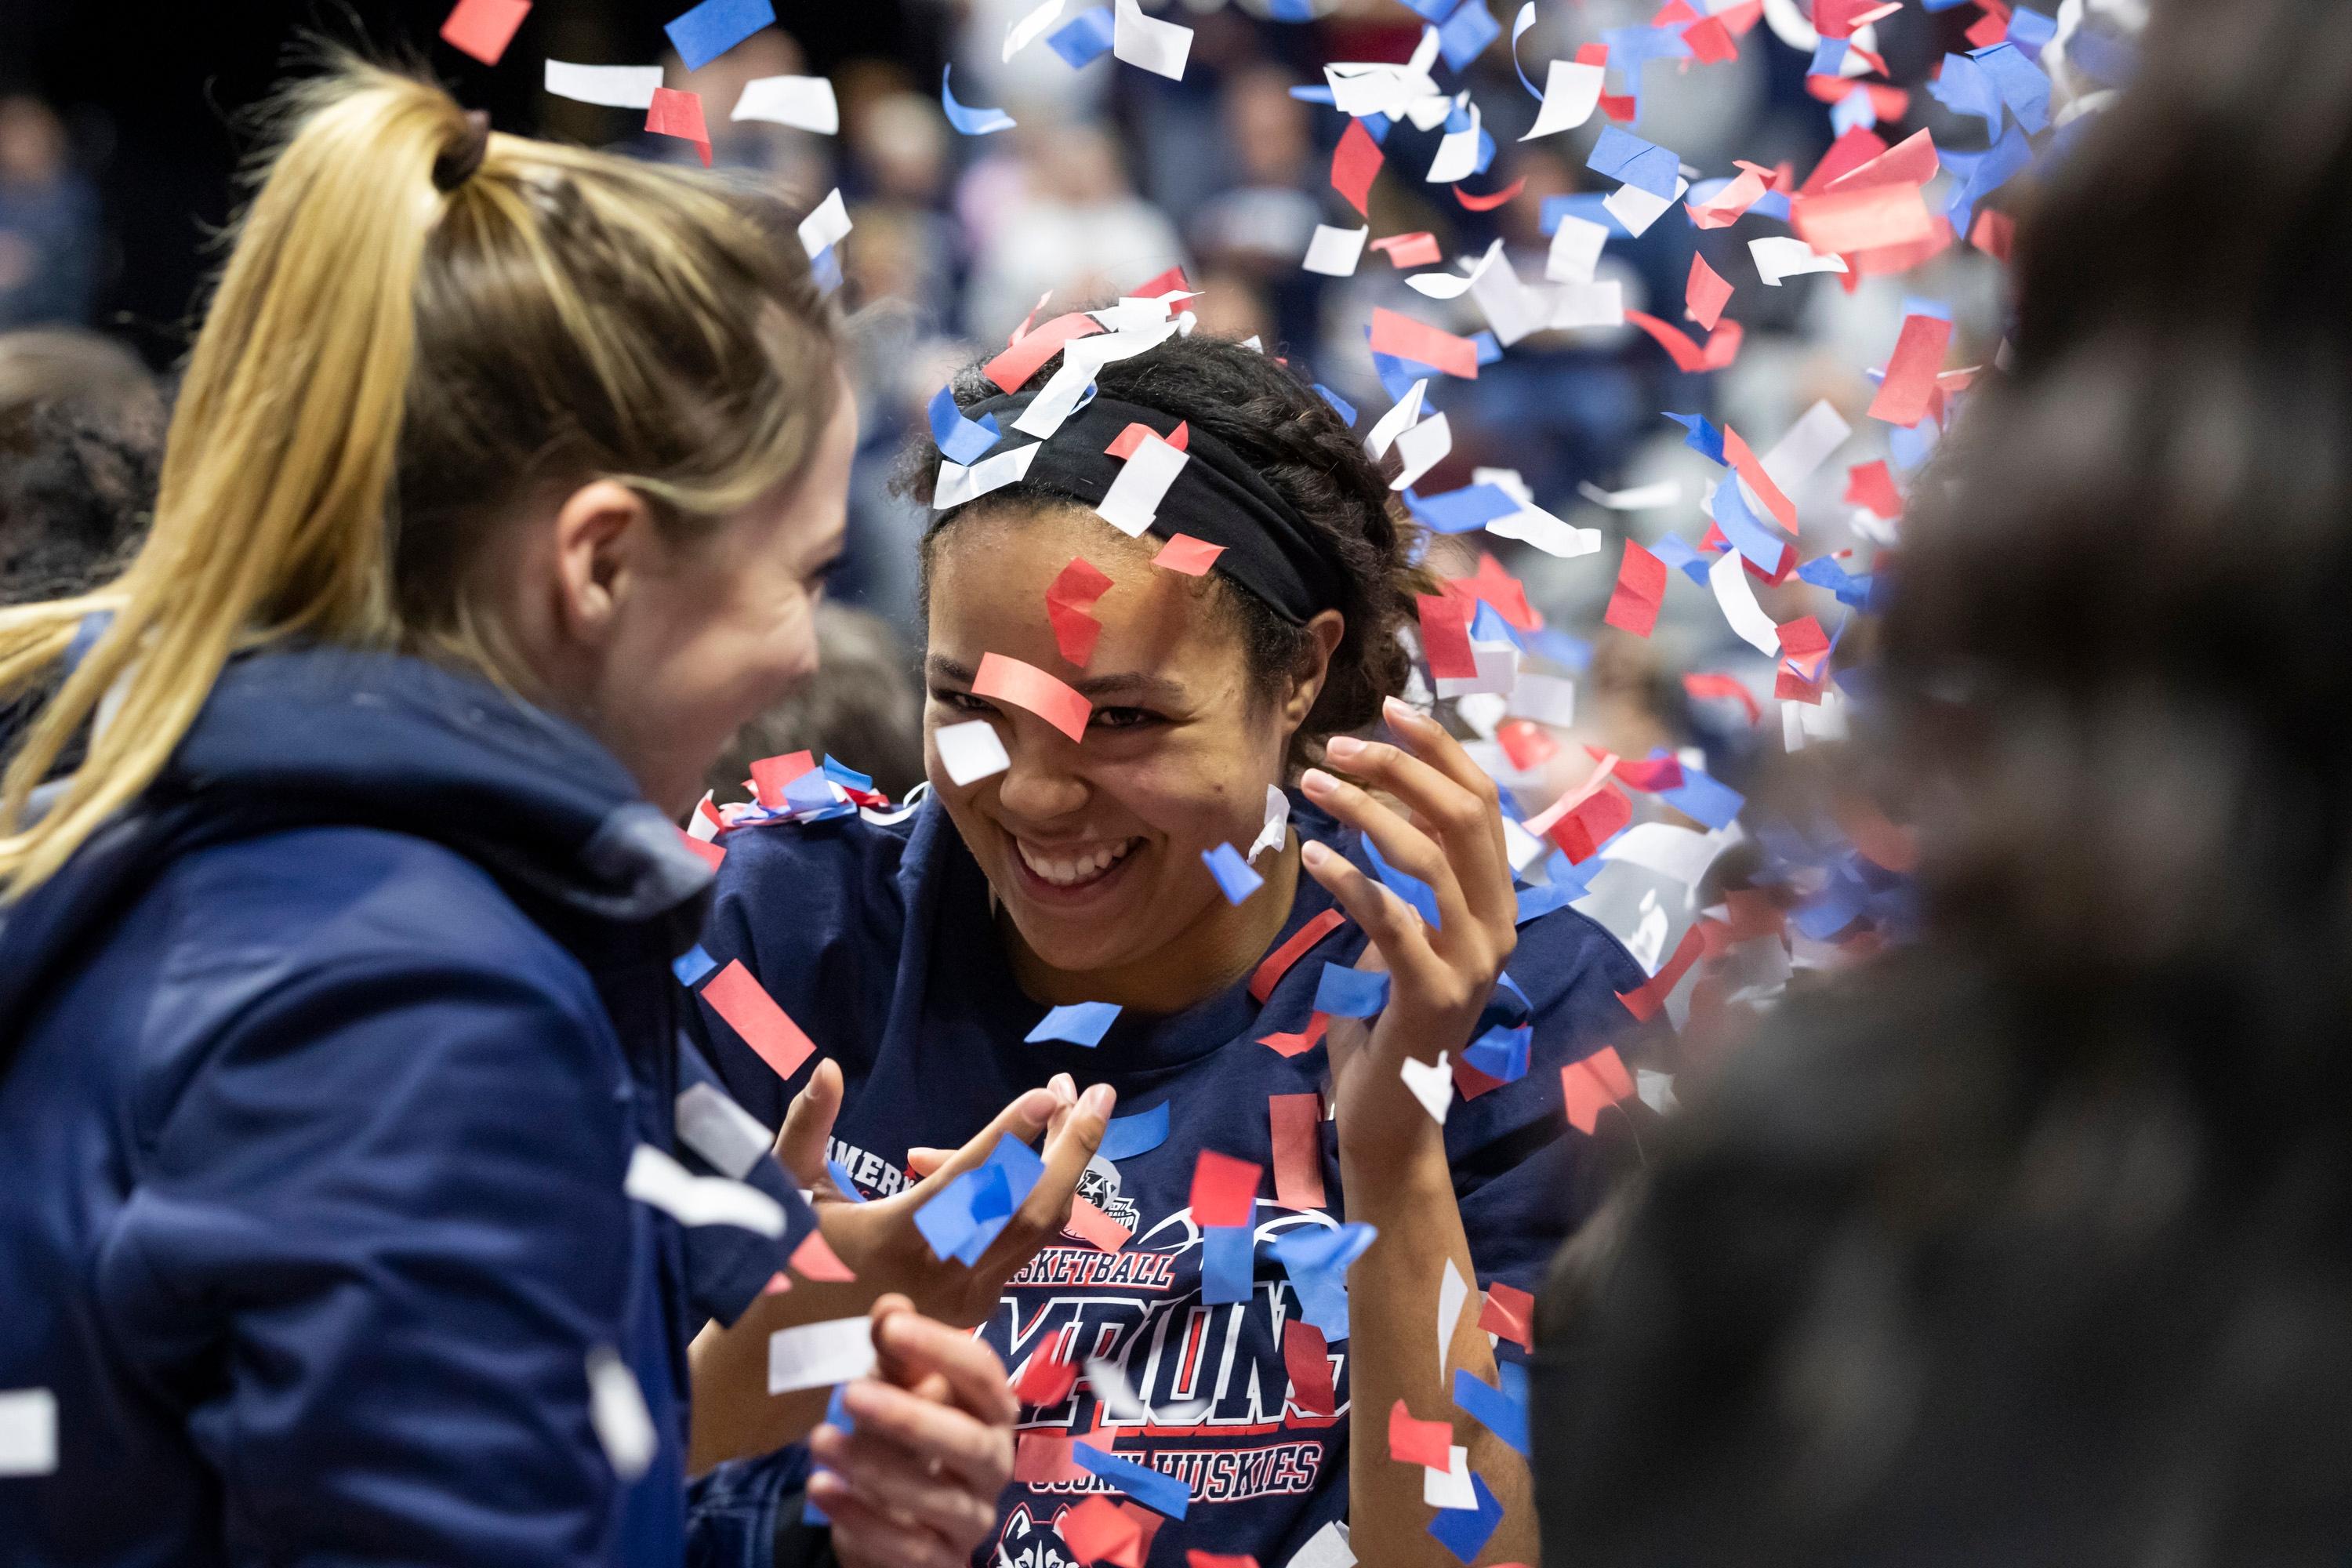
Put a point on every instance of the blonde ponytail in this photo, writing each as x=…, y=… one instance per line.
x=383, y=366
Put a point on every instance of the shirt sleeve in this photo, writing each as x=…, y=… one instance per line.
x=382, y=1230
x=1526, y=1179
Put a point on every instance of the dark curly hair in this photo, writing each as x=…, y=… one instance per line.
x=1276, y=422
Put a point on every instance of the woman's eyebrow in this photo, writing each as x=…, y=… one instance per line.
x=1129, y=684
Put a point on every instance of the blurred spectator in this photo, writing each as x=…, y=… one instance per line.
x=1074, y=226
x=1260, y=225
x=48, y=221
x=863, y=707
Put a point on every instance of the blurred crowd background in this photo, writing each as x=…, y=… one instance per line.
x=120, y=127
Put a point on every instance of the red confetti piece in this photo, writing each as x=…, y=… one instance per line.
x=483, y=29
x=1090, y=1224
x=1045, y=1379
x=1099, y=1531
x=1732, y=204
x=1498, y=588
x=1592, y=1086
x=1184, y=553
x=1172, y=281
x=815, y=1259
x=1710, y=41
x=1280, y=961
x=1307, y=1358
x=1075, y=632
x=1404, y=250
x=1526, y=744
x=1707, y=294
x=679, y=114
x=1412, y=1441
x=1805, y=644
x=1354, y=163
x=1722, y=344
x=1909, y=389
x=1991, y=29
x=1225, y=1190
x=1021, y=361
x=1488, y=203
x=771, y=775
x=1124, y=444
x=1872, y=486
x=1651, y=775
x=1509, y=1312
x=1912, y=162
x=1641, y=589
x=1995, y=233
x=1406, y=338
x=709, y=854
x=1287, y=1045
x=1644, y=1001
x=1583, y=828
x=736, y=995
x=1749, y=467
x=1041, y=1459
x=1706, y=686
x=1847, y=154
x=1876, y=218
x=1469, y=1082
x=1026, y=685
x=1445, y=637
x=1297, y=1120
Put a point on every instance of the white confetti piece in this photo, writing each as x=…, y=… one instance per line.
x=1572, y=92
x=1326, y=1548
x=1155, y=46
x=1498, y=672
x=1334, y=252
x=1432, y=1084
x=971, y=751
x=720, y=1130
x=1277, y=823
x=826, y=226
x=1422, y=448
x=958, y=484
x=804, y=102
x=1637, y=209
x=1548, y=534
x=28, y=1432
x=616, y=1409
x=614, y=87
x=1677, y=854
x=1546, y=698
x=1383, y=434
x=818, y=1355
x=1134, y=498
x=1030, y=28
x=1728, y=578
x=1808, y=445
x=661, y=1182
x=1781, y=257
x=1452, y=1291
x=1449, y=1488
x=1458, y=151
x=1641, y=498
x=1576, y=247
x=1588, y=305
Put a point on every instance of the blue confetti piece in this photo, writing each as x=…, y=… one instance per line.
x=1376, y=126
x=1537, y=902
x=970, y=121
x=836, y=1414
x=1127, y=1136
x=1823, y=572
x=1489, y=347
x=1465, y=1530
x=1965, y=88
x=1346, y=410
x=715, y=27
x=1084, y=38
x=1234, y=876
x=824, y=268
x=1746, y=530
x=959, y=439
x=844, y=775
x=2023, y=86
x=842, y=1179
x=1228, y=1264
x=1501, y=1053
x=1570, y=653
x=1705, y=799
x=1080, y=1024
x=1854, y=112
x=1405, y=886
x=1703, y=438
x=1829, y=58
x=1290, y=10
x=1466, y=510
x=1317, y=1261
x=1489, y=626
x=1624, y=156
x=1345, y=993
x=2107, y=59
x=1155, y=1490
x=946, y=1221
x=810, y=792
x=1316, y=94
x=1677, y=551
x=692, y=966
x=1835, y=907
x=972, y=1210
x=1492, y=1408
x=1397, y=375
x=2031, y=31
x=1434, y=11
x=1912, y=446
x=1772, y=205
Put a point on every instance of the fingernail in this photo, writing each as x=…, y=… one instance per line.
x=1038, y=1105
x=1315, y=781
x=1343, y=745
x=1314, y=854
x=1397, y=711
x=1100, y=1100
x=1064, y=1087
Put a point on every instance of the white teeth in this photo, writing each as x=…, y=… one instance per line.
x=1068, y=871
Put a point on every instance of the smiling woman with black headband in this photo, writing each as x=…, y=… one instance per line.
x=922, y=953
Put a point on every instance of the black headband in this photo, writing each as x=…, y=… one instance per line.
x=1268, y=548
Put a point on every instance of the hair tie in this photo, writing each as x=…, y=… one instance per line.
x=459, y=165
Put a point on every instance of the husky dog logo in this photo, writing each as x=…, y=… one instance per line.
x=1029, y=1541
x=1099, y=1184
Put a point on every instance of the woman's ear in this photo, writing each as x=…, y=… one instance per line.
x=1314, y=668
x=602, y=531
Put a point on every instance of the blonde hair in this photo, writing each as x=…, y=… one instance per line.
x=386, y=369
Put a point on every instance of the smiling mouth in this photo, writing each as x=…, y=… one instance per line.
x=1066, y=870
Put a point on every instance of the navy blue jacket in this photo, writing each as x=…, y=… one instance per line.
x=322, y=1066
x=878, y=940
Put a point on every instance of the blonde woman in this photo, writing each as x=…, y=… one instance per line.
x=343, y=1112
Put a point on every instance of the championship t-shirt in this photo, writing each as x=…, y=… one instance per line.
x=879, y=940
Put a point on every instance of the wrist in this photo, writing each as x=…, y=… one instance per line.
x=1408, y=1168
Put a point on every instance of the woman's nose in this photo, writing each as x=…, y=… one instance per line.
x=1044, y=779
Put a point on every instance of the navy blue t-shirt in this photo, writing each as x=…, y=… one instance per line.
x=878, y=940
